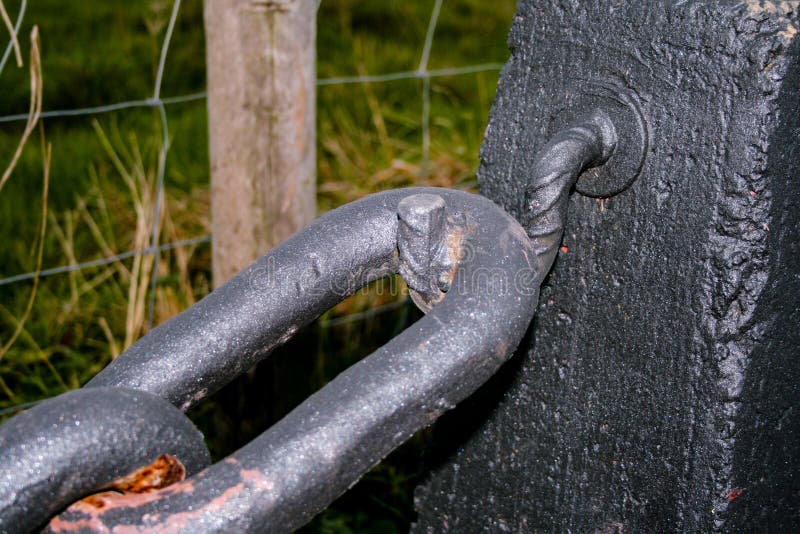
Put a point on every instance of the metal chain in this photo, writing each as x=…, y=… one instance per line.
x=468, y=263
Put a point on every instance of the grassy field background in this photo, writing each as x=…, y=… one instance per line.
x=103, y=170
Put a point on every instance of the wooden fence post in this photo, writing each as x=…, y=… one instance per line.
x=261, y=112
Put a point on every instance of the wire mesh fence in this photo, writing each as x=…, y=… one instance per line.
x=160, y=104
x=156, y=101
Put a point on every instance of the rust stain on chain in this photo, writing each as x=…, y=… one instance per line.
x=149, y=484
x=456, y=246
x=163, y=472
x=454, y=252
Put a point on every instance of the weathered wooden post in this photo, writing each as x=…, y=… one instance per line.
x=261, y=102
x=261, y=68
x=660, y=386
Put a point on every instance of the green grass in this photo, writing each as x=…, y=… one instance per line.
x=369, y=139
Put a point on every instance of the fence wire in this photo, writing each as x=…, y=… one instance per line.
x=161, y=103
x=13, y=38
x=156, y=101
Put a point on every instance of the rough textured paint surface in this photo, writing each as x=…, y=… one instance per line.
x=660, y=387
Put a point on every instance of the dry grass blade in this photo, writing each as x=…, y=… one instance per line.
x=10, y=26
x=47, y=151
x=100, y=239
x=112, y=342
x=35, y=109
x=130, y=165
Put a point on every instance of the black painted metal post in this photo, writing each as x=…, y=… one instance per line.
x=660, y=389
